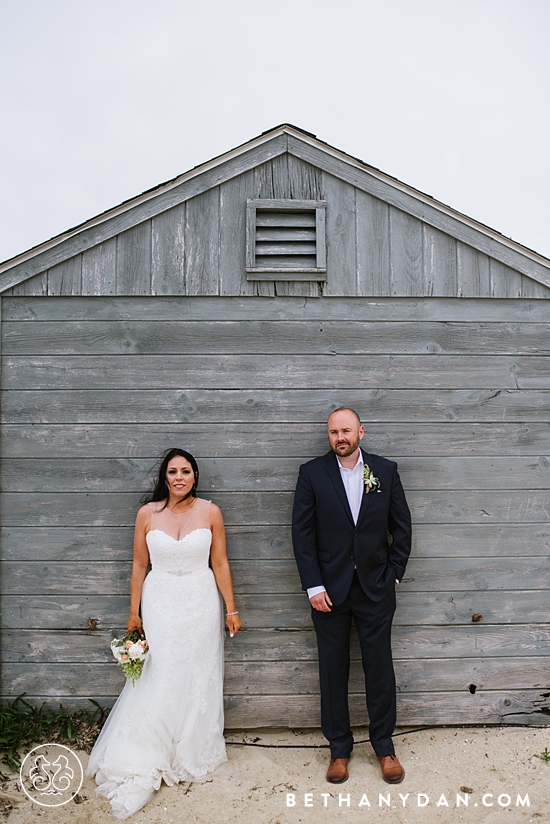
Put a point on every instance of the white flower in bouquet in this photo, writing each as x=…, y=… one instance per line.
x=136, y=652
x=117, y=651
x=130, y=653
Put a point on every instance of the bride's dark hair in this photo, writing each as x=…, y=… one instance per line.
x=160, y=490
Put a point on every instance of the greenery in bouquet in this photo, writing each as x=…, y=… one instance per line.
x=130, y=652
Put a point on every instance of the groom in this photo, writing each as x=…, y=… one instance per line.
x=347, y=504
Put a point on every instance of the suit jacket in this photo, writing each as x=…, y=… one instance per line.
x=328, y=546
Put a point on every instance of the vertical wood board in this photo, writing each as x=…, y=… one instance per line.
x=340, y=227
x=406, y=255
x=202, y=242
x=133, y=260
x=168, y=252
x=66, y=277
x=439, y=258
x=373, y=245
x=99, y=269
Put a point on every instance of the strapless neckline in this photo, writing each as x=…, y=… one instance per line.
x=179, y=540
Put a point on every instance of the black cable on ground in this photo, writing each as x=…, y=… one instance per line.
x=317, y=746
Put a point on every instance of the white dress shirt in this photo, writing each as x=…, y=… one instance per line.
x=354, y=486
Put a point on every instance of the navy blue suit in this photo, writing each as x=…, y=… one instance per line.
x=358, y=566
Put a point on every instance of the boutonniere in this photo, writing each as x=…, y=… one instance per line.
x=371, y=483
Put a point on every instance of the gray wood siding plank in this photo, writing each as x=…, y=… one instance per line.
x=373, y=245
x=67, y=543
x=271, y=508
x=274, y=406
x=66, y=277
x=263, y=181
x=439, y=261
x=412, y=676
x=472, y=272
x=279, y=175
x=109, y=228
x=423, y=211
x=115, y=544
x=36, y=372
x=37, y=285
x=99, y=269
x=340, y=236
x=305, y=180
x=504, y=282
x=406, y=255
x=502, y=611
x=62, y=679
x=281, y=576
x=420, y=609
x=299, y=288
x=204, y=309
x=268, y=678
x=202, y=242
x=274, y=337
x=494, y=648
x=531, y=289
x=232, y=439
x=99, y=509
x=493, y=707
x=133, y=261
x=263, y=288
x=168, y=252
x=267, y=474
x=232, y=254
x=408, y=643
x=273, y=542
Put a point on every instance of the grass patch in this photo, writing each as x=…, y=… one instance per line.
x=23, y=726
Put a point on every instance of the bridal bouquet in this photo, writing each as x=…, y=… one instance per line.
x=130, y=653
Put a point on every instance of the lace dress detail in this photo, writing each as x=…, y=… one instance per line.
x=169, y=726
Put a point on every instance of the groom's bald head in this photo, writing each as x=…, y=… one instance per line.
x=346, y=409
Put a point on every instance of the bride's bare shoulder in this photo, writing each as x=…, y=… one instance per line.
x=144, y=512
x=153, y=506
x=214, y=513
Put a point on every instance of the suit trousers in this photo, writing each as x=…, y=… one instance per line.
x=373, y=621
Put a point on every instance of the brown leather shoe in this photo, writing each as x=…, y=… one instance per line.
x=337, y=771
x=392, y=771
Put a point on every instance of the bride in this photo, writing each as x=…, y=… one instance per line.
x=169, y=726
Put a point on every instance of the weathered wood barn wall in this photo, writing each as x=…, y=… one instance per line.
x=142, y=329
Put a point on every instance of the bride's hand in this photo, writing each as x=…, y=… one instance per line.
x=234, y=624
x=134, y=622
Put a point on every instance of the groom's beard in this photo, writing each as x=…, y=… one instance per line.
x=344, y=449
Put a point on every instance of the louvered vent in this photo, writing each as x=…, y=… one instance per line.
x=286, y=240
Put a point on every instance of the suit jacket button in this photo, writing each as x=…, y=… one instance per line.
x=352, y=557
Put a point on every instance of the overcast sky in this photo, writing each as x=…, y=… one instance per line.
x=102, y=99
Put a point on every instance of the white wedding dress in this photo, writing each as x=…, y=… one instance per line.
x=169, y=726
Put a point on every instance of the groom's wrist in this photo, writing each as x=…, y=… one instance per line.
x=312, y=591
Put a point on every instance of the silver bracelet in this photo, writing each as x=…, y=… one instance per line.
x=232, y=613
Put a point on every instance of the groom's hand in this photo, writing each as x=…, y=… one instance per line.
x=321, y=602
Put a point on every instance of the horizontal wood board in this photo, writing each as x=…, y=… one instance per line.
x=292, y=614
x=275, y=371
x=133, y=309
x=455, y=391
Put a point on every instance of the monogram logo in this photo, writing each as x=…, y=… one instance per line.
x=51, y=775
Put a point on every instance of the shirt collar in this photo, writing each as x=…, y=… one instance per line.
x=360, y=462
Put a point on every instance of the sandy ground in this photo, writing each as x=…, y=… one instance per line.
x=483, y=765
